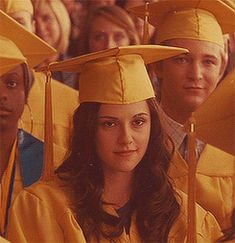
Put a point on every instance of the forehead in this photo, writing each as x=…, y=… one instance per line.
x=18, y=71
x=119, y=110
x=197, y=46
x=43, y=9
x=21, y=14
x=102, y=23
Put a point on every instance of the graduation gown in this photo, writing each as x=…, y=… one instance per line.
x=2, y=240
x=22, y=170
x=64, y=102
x=215, y=179
x=52, y=219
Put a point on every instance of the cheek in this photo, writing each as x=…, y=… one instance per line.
x=170, y=87
x=143, y=138
x=103, y=143
x=21, y=102
x=124, y=41
x=18, y=103
x=212, y=81
x=55, y=28
x=96, y=45
x=173, y=73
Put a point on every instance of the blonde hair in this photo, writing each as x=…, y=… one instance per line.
x=62, y=16
x=11, y=6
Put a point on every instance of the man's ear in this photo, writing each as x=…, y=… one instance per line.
x=224, y=62
x=159, y=69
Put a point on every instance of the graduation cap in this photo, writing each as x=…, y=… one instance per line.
x=10, y=55
x=117, y=75
x=34, y=49
x=113, y=76
x=215, y=118
x=194, y=19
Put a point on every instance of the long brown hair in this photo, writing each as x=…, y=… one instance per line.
x=153, y=199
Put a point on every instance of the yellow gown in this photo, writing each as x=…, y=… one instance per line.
x=42, y=213
x=215, y=179
x=2, y=240
x=64, y=101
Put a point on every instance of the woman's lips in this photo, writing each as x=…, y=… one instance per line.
x=125, y=153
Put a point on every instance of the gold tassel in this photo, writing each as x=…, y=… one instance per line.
x=146, y=25
x=48, y=171
x=192, y=163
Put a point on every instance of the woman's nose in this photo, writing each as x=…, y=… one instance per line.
x=125, y=135
x=111, y=43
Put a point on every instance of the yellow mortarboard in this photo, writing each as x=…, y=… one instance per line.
x=34, y=49
x=12, y=6
x=10, y=55
x=215, y=119
x=117, y=75
x=192, y=19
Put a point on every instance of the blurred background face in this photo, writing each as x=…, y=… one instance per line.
x=12, y=98
x=47, y=26
x=188, y=79
x=105, y=34
x=25, y=19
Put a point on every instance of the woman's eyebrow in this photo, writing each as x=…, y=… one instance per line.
x=115, y=118
x=141, y=114
x=108, y=117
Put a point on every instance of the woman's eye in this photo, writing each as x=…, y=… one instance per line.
x=98, y=37
x=138, y=122
x=46, y=18
x=119, y=36
x=108, y=124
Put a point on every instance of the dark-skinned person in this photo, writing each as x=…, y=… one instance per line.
x=33, y=117
x=20, y=163
x=186, y=81
x=113, y=186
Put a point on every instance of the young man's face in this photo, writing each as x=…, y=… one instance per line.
x=188, y=79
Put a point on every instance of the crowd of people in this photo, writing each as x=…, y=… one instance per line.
x=95, y=97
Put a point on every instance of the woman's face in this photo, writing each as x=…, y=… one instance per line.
x=105, y=34
x=12, y=98
x=47, y=26
x=122, y=137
